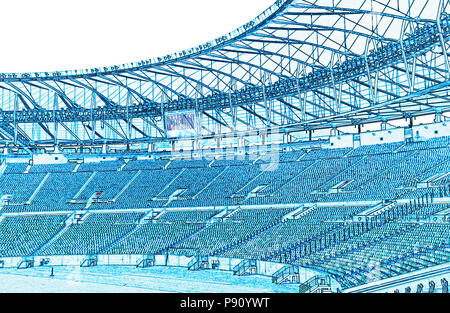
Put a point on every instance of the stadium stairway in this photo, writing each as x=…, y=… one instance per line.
x=247, y=238
x=294, y=178
x=245, y=267
x=237, y=193
x=300, y=212
x=28, y=168
x=156, y=216
x=3, y=166
x=155, y=198
x=124, y=163
x=75, y=197
x=316, y=284
x=166, y=166
x=75, y=170
x=177, y=243
x=222, y=214
x=120, y=239
x=68, y=223
x=328, y=181
x=148, y=217
x=210, y=182
x=126, y=186
x=38, y=188
x=388, y=169
x=230, y=214
x=399, y=148
x=286, y=274
x=146, y=261
x=430, y=171
x=197, y=263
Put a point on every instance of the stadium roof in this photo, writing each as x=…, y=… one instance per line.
x=300, y=65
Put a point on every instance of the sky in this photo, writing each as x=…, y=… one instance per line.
x=49, y=35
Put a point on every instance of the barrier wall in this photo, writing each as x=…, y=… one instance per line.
x=383, y=136
x=428, y=131
x=225, y=264
x=341, y=141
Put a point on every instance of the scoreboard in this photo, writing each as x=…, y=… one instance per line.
x=181, y=124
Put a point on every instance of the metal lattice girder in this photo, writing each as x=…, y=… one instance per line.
x=301, y=65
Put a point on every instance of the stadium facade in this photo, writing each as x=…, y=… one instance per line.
x=310, y=145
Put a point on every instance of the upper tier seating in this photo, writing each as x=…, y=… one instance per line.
x=372, y=173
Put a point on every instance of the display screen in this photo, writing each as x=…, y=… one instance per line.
x=180, y=124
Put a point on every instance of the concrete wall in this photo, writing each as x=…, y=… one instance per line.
x=97, y=159
x=17, y=160
x=431, y=130
x=343, y=141
x=54, y=158
x=225, y=264
x=382, y=136
x=420, y=132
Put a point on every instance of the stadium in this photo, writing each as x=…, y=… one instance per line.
x=307, y=151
